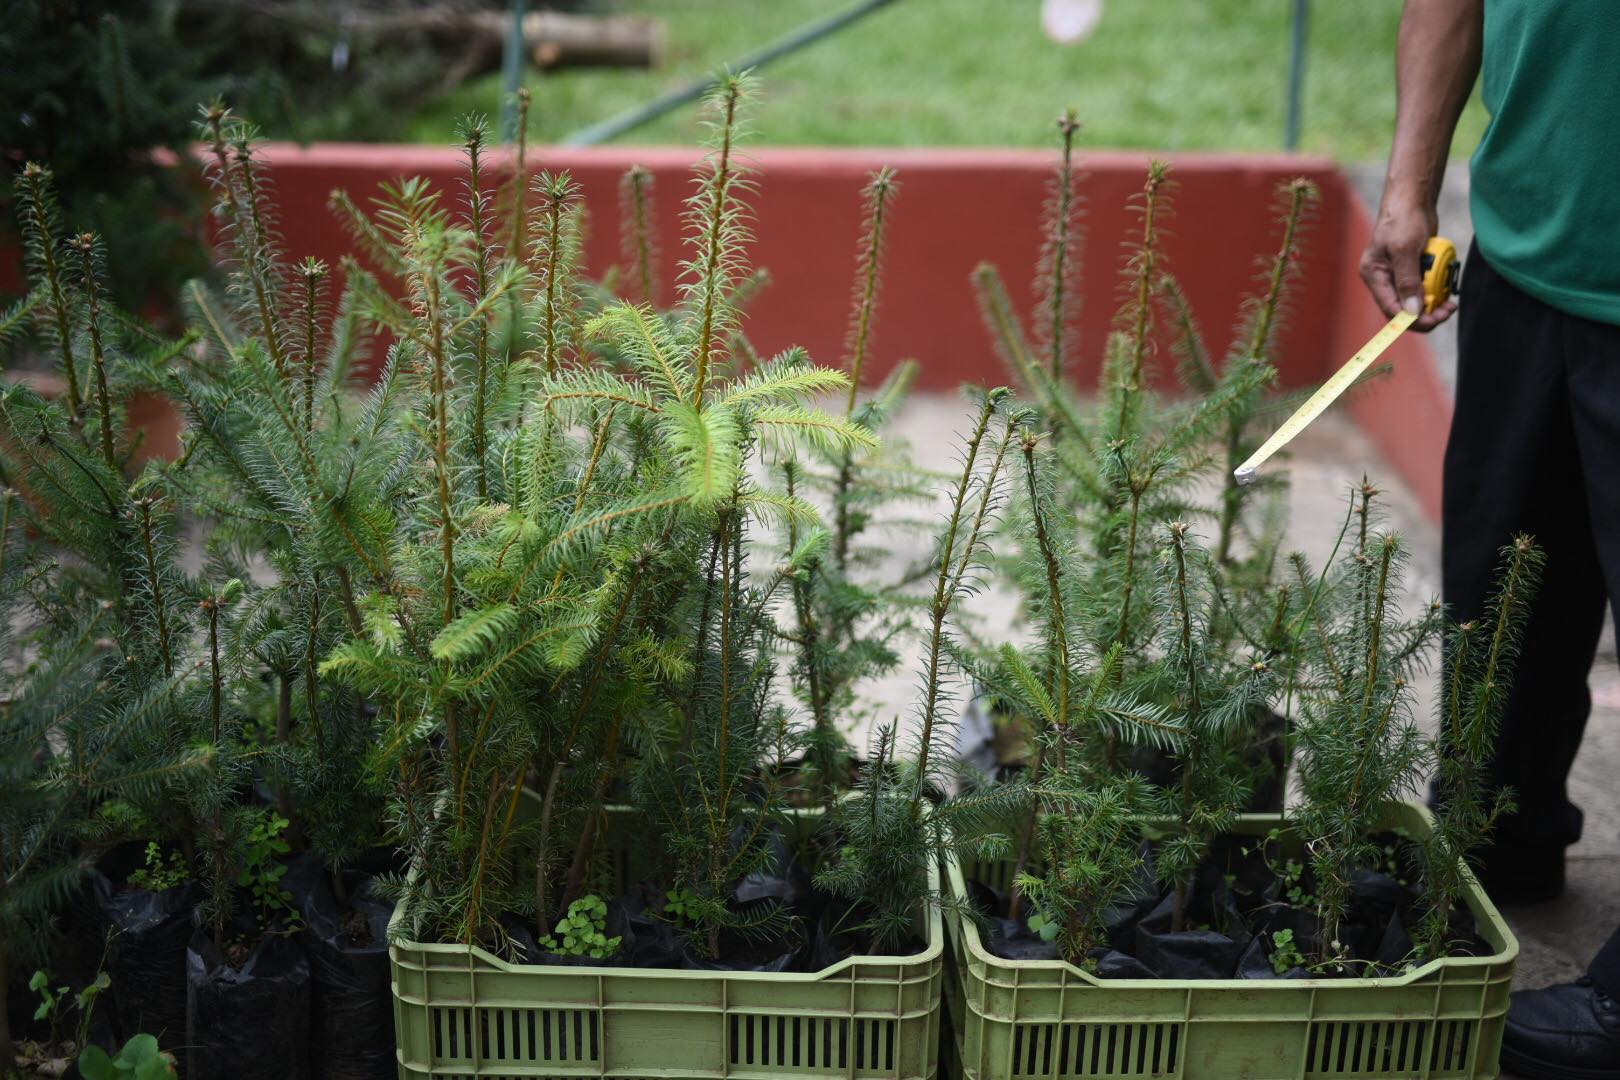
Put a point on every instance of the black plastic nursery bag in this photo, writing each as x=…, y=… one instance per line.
x=250, y=1023
x=146, y=956
x=352, y=1018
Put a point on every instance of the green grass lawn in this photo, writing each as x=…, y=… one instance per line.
x=1163, y=74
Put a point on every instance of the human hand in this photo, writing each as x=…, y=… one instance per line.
x=1392, y=265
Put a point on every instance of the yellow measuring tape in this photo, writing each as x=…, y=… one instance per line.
x=1440, y=269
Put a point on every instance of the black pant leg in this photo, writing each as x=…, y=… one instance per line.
x=1513, y=465
x=1593, y=349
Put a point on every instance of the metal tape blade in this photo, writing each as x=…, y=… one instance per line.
x=1326, y=394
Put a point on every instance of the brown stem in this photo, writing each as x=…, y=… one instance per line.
x=313, y=272
x=311, y=678
x=86, y=244
x=637, y=209
x=878, y=192
x=1178, y=909
x=39, y=178
x=284, y=803
x=258, y=260
x=1026, y=839
x=520, y=180
x=481, y=255
x=1059, y=243
x=1190, y=763
x=215, y=681
x=719, y=186
x=1146, y=270
x=940, y=606
x=441, y=468
x=543, y=856
x=557, y=198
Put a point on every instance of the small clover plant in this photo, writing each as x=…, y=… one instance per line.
x=1285, y=954
x=581, y=932
x=680, y=905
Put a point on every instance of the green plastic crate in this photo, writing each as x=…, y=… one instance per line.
x=461, y=1012
x=1048, y=1020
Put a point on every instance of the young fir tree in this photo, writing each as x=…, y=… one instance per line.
x=586, y=609
x=1192, y=647
x=1077, y=700
x=691, y=631
x=1359, y=747
x=1217, y=701
x=844, y=626
x=292, y=463
x=898, y=822
x=109, y=531
x=1478, y=674
x=65, y=742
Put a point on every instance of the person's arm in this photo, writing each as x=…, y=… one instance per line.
x=1435, y=65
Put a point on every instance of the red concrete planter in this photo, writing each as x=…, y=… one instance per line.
x=956, y=209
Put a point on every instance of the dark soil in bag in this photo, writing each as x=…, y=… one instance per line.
x=250, y=1022
x=1238, y=904
x=1209, y=949
x=820, y=930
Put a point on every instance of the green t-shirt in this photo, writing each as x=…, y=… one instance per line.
x=1546, y=177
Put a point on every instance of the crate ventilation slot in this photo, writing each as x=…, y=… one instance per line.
x=566, y=1036
x=1060, y=1051
x=811, y=1043
x=1391, y=1048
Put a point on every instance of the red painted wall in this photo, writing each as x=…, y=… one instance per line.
x=957, y=208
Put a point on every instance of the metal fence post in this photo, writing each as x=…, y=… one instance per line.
x=1296, y=74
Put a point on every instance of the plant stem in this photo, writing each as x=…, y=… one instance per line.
x=1191, y=759
x=1059, y=243
x=86, y=244
x=558, y=196
x=1145, y=270
x=215, y=681
x=258, y=260
x=940, y=606
x=441, y=468
x=825, y=766
x=636, y=208
x=879, y=190
x=38, y=179
x=1128, y=586
x=712, y=267
x=519, y=241
x=313, y=273
x=481, y=255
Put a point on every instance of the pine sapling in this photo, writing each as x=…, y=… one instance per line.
x=1478, y=677
x=638, y=241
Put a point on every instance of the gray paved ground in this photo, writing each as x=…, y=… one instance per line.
x=1556, y=938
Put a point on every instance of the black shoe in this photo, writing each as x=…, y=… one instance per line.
x=1517, y=875
x=1568, y=1032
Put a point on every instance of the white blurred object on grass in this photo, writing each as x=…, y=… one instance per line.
x=1070, y=21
